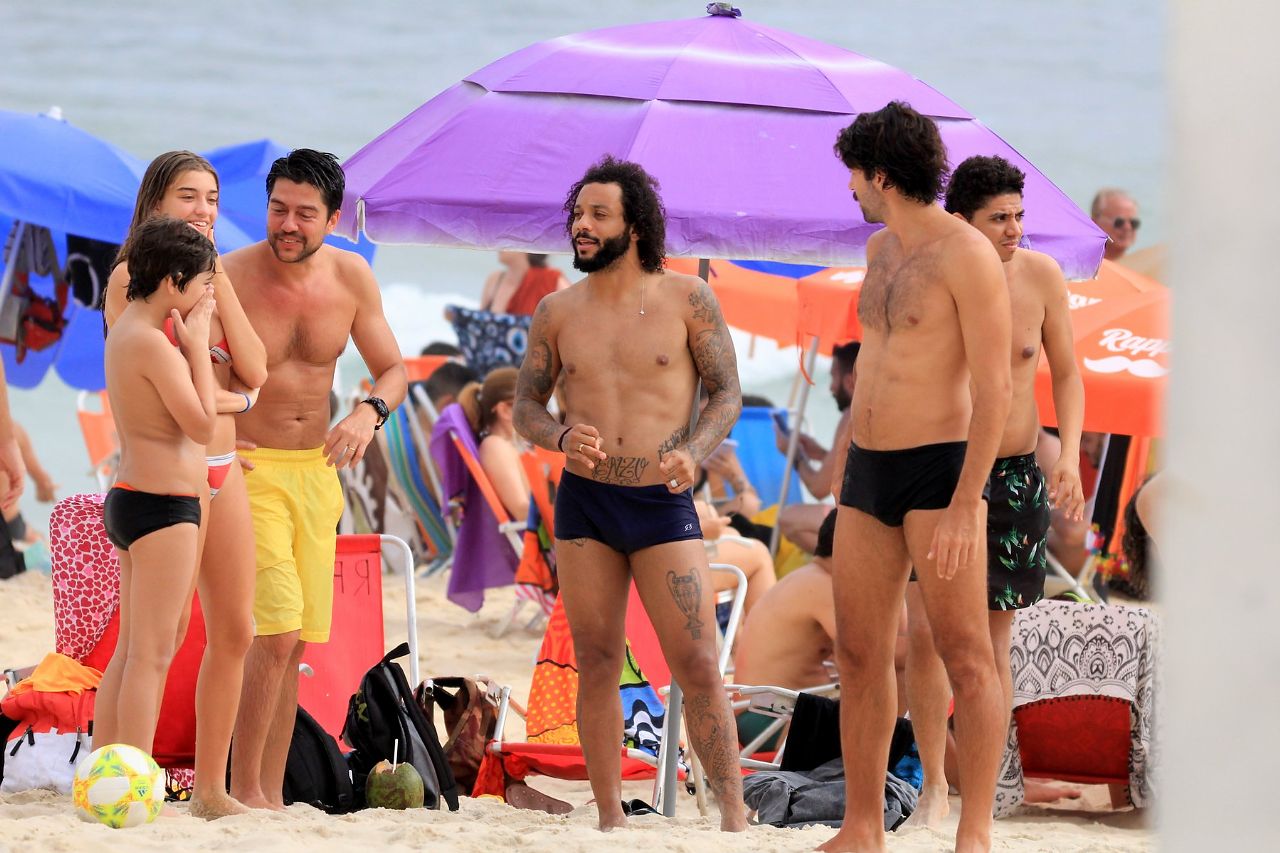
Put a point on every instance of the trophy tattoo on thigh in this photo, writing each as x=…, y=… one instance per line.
x=687, y=592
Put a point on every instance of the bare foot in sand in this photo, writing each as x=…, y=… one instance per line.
x=260, y=802
x=1038, y=791
x=847, y=841
x=521, y=796
x=931, y=809
x=213, y=808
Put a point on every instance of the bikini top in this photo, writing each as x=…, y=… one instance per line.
x=219, y=353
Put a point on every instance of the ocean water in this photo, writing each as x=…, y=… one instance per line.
x=1078, y=88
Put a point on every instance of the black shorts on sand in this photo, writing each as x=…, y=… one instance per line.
x=625, y=518
x=1017, y=531
x=129, y=514
x=887, y=484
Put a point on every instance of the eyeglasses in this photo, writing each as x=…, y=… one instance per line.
x=1134, y=222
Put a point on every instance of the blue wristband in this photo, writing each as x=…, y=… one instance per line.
x=248, y=404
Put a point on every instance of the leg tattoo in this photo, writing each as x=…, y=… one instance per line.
x=687, y=592
x=711, y=739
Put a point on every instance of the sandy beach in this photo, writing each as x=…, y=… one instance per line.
x=456, y=642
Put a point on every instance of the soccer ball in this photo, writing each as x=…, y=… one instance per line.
x=118, y=785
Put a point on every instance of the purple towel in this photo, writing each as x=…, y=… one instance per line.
x=482, y=556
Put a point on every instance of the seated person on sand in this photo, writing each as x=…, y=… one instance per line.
x=446, y=382
x=443, y=348
x=788, y=638
x=19, y=531
x=519, y=286
x=725, y=546
x=1131, y=581
x=488, y=407
x=816, y=465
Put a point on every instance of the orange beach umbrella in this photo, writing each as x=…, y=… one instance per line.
x=1120, y=322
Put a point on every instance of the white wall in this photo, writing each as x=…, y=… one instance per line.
x=1221, y=709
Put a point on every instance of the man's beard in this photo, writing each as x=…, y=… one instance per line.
x=606, y=254
x=843, y=399
x=304, y=252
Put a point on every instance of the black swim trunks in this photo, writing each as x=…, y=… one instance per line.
x=626, y=518
x=887, y=484
x=1017, y=531
x=128, y=514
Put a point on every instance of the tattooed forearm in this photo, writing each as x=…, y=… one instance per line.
x=620, y=470
x=686, y=589
x=534, y=422
x=677, y=438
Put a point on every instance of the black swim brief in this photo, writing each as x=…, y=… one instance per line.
x=887, y=484
x=128, y=514
x=626, y=518
x=1017, y=531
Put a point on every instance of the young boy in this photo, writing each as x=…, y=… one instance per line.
x=164, y=407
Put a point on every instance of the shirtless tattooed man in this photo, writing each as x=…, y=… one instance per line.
x=935, y=316
x=632, y=342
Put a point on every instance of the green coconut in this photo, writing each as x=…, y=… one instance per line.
x=394, y=786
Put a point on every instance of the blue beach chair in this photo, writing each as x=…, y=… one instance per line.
x=758, y=452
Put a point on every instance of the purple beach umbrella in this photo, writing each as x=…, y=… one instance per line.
x=736, y=120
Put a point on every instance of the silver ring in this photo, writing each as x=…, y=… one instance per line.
x=346, y=448
x=674, y=483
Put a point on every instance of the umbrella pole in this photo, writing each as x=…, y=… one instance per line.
x=793, y=442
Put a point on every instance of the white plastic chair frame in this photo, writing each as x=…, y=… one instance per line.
x=664, y=785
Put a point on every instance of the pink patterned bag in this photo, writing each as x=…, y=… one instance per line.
x=86, y=574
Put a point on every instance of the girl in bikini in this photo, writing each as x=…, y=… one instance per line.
x=184, y=185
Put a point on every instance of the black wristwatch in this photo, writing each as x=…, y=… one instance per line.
x=379, y=406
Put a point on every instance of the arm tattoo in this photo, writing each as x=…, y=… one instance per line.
x=677, y=438
x=717, y=365
x=687, y=591
x=705, y=308
x=620, y=470
x=534, y=386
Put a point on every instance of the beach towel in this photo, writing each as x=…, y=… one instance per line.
x=489, y=340
x=536, y=572
x=1079, y=672
x=483, y=558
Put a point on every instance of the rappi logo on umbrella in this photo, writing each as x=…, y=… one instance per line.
x=1134, y=354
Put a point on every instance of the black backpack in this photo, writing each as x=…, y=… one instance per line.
x=383, y=712
x=316, y=772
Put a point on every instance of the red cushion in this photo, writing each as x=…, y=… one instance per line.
x=175, y=741
x=1081, y=739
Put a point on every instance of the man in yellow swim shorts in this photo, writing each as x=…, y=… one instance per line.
x=305, y=300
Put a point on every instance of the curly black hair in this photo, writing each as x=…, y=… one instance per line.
x=1136, y=547
x=978, y=180
x=308, y=166
x=641, y=206
x=901, y=143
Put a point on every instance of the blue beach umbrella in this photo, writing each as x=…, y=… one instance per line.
x=242, y=202
x=54, y=174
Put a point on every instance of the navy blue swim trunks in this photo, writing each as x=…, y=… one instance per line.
x=625, y=518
